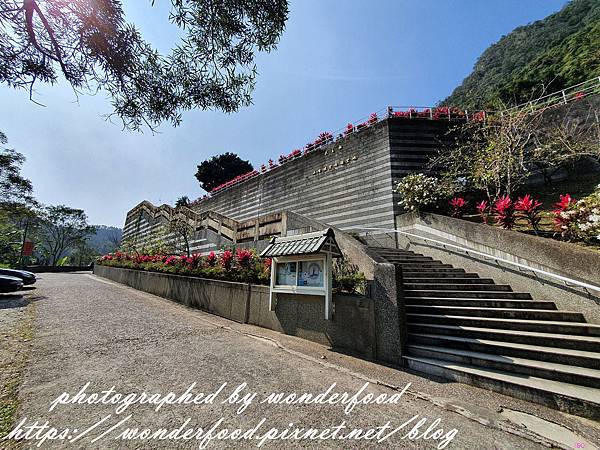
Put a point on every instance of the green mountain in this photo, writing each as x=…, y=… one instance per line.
x=105, y=240
x=545, y=56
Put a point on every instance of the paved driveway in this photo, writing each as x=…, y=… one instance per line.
x=89, y=330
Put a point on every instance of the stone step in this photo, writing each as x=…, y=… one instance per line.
x=467, y=294
x=569, y=357
x=480, y=303
x=456, y=286
x=444, y=280
x=586, y=343
x=570, y=398
x=537, y=326
x=431, y=266
x=391, y=252
x=437, y=273
x=505, y=313
x=410, y=259
x=582, y=376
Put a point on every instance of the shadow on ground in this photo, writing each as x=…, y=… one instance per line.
x=8, y=301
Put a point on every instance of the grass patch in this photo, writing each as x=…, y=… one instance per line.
x=12, y=371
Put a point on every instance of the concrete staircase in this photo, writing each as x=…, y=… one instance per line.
x=472, y=330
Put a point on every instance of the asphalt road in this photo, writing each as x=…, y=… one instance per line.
x=122, y=341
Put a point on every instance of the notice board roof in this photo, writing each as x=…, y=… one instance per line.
x=303, y=244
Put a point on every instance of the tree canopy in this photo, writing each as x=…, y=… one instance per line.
x=91, y=44
x=62, y=228
x=15, y=190
x=220, y=169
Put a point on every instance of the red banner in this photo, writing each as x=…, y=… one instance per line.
x=27, y=248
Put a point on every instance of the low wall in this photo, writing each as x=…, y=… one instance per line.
x=41, y=269
x=556, y=257
x=352, y=328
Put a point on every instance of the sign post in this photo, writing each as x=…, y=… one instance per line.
x=302, y=264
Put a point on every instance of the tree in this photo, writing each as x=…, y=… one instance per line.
x=182, y=201
x=566, y=139
x=500, y=154
x=62, y=228
x=83, y=254
x=490, y=155
x=220, y=169
x=14, y=188
x=90, y=44
x=183, y=228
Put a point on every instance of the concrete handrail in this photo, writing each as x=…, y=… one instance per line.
x=567, y=281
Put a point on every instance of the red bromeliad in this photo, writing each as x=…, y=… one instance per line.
x=504, y=212
x=211, y=259
x=530, y=209
x=459, y=205
x=244, y=257
x=483, y=208
x=226, y=259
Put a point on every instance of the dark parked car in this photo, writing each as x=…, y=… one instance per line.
x=10, y=284
x=27, y=277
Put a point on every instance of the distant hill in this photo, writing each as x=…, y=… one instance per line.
x=545, y=56
x=106, y=239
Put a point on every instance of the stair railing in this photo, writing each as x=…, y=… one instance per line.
x=569, y=282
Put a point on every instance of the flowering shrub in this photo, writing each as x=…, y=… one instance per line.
x=285, y=158
x=226, y=259
x=588, y=217
x=240, y=265
x=504, y=212
x=483, y=208
x=419, y=191
x=211, y=259
x=564, y=214
x=530, y=209
x=243, y=257
x=459, y=206
x=579, y=219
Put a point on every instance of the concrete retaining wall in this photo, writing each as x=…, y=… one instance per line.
x=556, y=257
x=352, y=328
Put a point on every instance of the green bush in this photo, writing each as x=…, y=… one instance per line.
x=347, y=278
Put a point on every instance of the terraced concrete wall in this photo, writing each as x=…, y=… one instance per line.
x=346, y=184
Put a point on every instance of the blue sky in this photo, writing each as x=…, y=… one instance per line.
x=337, y=62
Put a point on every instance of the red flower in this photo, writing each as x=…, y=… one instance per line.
x=458, y=205
x=483, y=208
x=226, y=259
x=530, y=209
x=171, y=261
x=562, y=221
x=505, y=212
x=211, y=259
x=243, y=257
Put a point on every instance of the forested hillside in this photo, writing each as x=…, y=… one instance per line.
x=545, y=56
x=106, y=239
